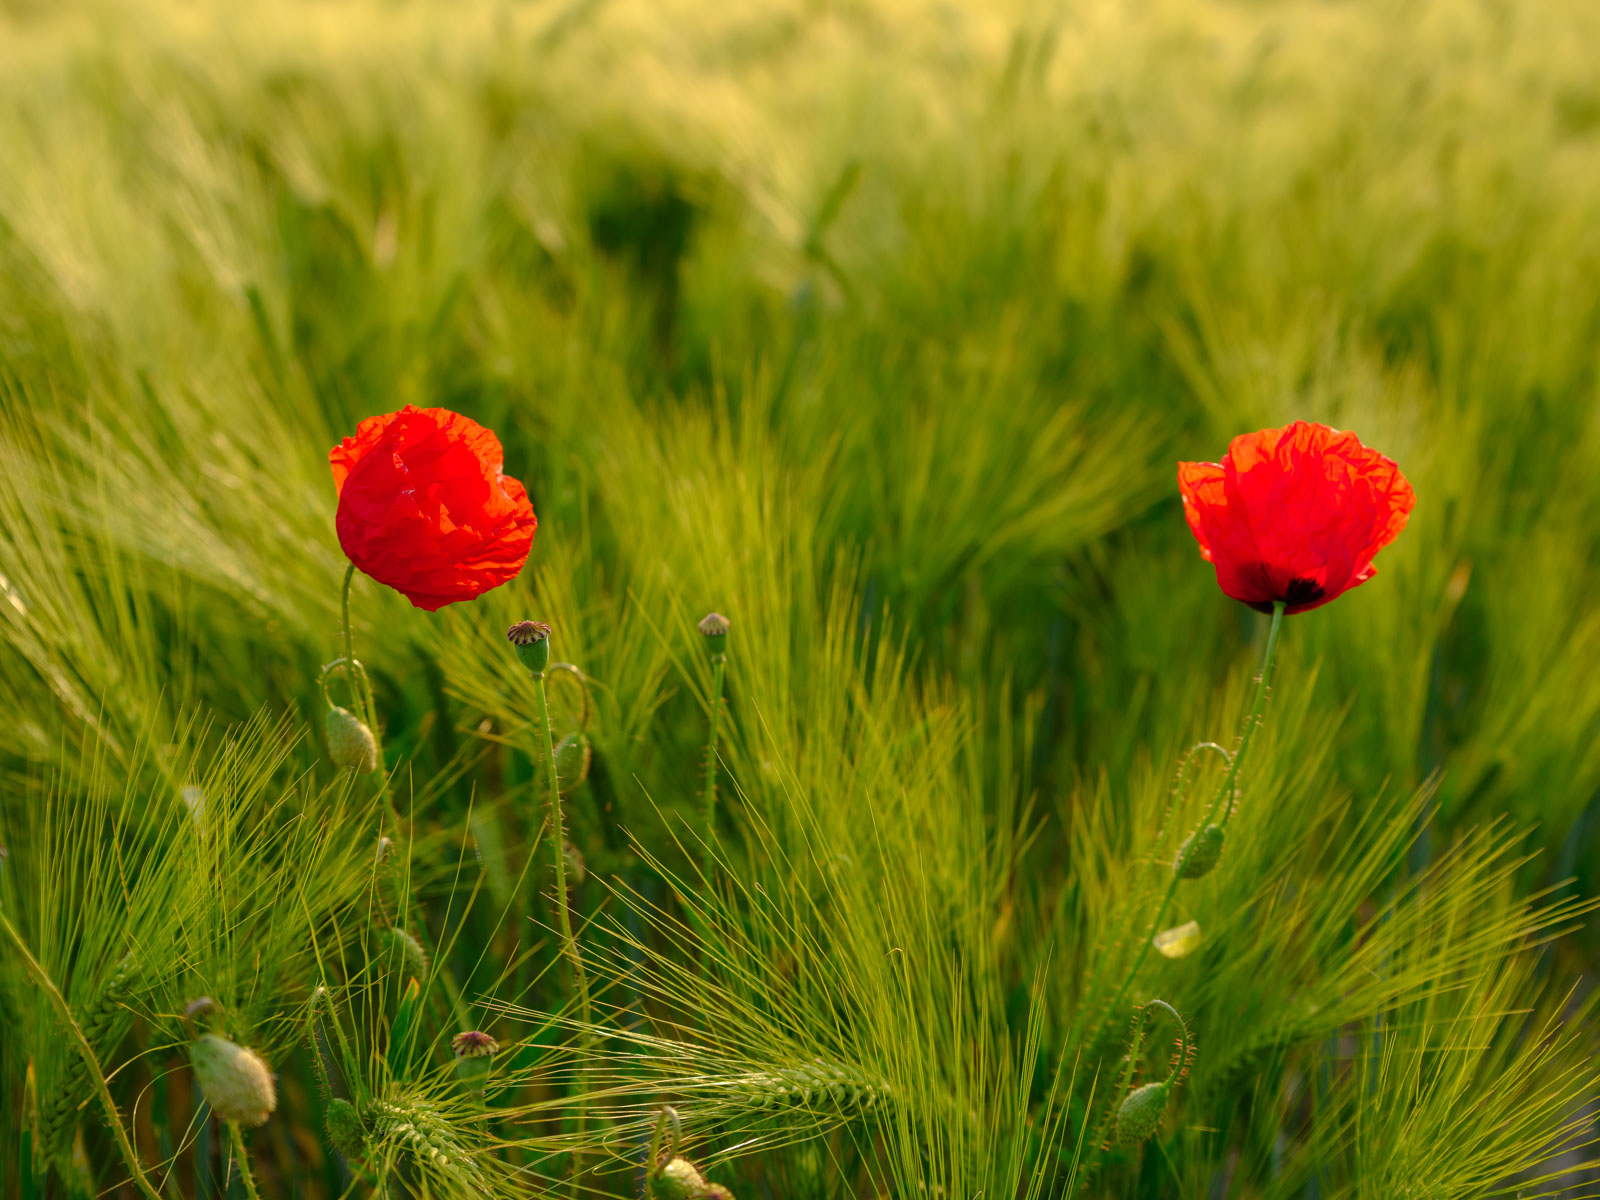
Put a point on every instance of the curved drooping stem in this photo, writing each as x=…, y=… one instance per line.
x=1183, y=1037
x=663, y=1145
x=1224, y=796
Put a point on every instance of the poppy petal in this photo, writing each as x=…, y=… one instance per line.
x=425, y=508
x=1294, y=515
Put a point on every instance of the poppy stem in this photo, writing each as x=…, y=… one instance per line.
x=710, y=800
x=1223, y=793
x=1226, y=791
x=1183, y=1037
x=580, y=981
x=242, y=1161
x=357, y=703
x=365, y=706
x=361, y=700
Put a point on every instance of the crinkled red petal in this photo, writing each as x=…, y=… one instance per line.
x=1294, y=514
x=425, y=508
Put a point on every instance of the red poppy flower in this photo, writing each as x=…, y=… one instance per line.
x=425, y=508
x=1294, y=514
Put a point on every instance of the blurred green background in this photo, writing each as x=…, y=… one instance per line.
x=881, y=323
x=968, y=280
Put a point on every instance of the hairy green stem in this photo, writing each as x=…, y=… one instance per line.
x=1129, y=1066
x=710, y=800
x=365, y=706
x=663, y=1147
x=580, y=981
x=349, y=643
x=242, y=1158
x=1183, y=1037
x=96, y=1076
x=1225, y=791
x=355, y=675
x=1255, y=717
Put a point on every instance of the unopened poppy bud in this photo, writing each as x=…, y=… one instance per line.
x=680, y=1180
x=1139, y=1114
x=200, y=1006
x=577, y=868
x=715, y=627
x=1200, y=852
x=351, y=745
x=532, y=641
x=473, y=1051
x=406, y=952
x=235, y=1081
x=346, y=1133
x=573, y=755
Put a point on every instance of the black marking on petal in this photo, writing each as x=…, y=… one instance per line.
x=1302, y=592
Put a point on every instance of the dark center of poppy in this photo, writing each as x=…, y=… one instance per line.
x=1300, y=592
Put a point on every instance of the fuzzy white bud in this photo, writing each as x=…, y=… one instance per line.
x=235, y=1081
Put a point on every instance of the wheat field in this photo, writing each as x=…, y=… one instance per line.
x=879, y=326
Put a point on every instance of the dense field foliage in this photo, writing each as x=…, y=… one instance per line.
x=879, y=327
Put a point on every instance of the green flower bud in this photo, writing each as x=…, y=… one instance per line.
x=346, y=1134
x=1140, y=1115
x=532, y=641
x=406, y=953
x=236, y=1082
x=351, y=745
x=679, y=1180
x=573, y=755
x=715, y=626
x=576, y=867
x=200, y=1006
x=1199, y=853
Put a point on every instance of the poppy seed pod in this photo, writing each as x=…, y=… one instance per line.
x=1139, y=1114
x=473, y=1051
x=714, y=627
x=1200, y=852
x=473, y=1043
x=235, y=1081
x=351, y=745
x=532, y=642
